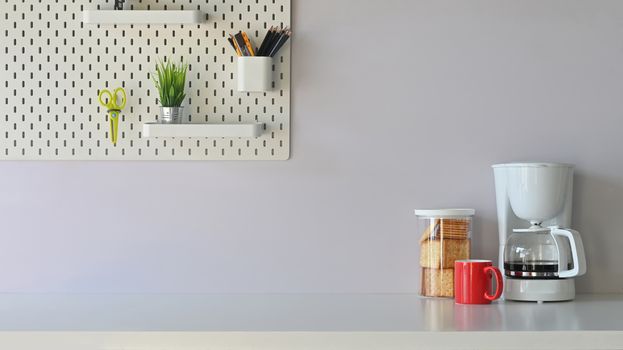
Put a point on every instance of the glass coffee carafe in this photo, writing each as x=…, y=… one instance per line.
x=541, y=253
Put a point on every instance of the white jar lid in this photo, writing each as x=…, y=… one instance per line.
x=444, y=213
x=532, y=165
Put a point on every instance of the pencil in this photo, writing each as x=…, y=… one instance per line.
x=271, y=43
x=280, y=43
x=233, y=42
x=241, y=45
x=268, y=39
x=260, y=51
x=247, y=42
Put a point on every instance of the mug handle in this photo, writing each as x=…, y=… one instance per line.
x=498, y=283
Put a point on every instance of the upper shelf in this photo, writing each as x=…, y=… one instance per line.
x=143, y=17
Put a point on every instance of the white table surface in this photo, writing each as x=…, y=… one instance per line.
x=292, y=321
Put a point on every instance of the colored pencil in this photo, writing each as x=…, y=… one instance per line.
x=247, y=43
x=280, y=43
x=262, y=48
x=274, y=40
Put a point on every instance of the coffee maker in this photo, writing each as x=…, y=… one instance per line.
x=539, y=254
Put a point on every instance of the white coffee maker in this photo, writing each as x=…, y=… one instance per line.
x=539, y=254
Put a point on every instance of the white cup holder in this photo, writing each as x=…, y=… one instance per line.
x=254, y=73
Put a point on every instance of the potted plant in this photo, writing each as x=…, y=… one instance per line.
x=170, y=80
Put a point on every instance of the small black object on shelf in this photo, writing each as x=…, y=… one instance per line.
x=119, y=4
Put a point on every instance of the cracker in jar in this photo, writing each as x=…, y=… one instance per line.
x=437, y=282
x=431, y=231
x=442, y=253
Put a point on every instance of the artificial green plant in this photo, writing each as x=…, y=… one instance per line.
x=170, y=80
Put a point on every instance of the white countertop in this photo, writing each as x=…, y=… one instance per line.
x=404, y=317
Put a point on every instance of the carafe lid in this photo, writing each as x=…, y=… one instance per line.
x=533, y=230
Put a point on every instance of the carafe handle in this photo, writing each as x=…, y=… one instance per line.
x=577, y=253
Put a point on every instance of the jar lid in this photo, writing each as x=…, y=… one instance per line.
x=532, y=165
x=444, y=213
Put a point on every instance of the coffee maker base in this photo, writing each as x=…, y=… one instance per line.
x=539, y=290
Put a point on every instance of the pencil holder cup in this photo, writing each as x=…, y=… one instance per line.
x=254, y=73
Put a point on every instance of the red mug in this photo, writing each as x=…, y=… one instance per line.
x=472, y=282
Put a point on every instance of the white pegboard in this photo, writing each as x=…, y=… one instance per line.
x=53, y=67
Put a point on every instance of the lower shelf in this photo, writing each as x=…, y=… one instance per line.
x=202, y=130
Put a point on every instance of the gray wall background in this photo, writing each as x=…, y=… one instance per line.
x=397, y=105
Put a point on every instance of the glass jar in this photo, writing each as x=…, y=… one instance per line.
x=445, y=236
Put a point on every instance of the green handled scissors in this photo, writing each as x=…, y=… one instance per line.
x=114, y=105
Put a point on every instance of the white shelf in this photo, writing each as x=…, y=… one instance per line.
x=202, y=130
x=142, y=17
x=303, y=321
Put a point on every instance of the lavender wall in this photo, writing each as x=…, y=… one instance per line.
x=396, y=105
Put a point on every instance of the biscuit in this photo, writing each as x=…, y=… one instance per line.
x=431, y=231
x=438, y=282
x=446, y=228
x=442, y=253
